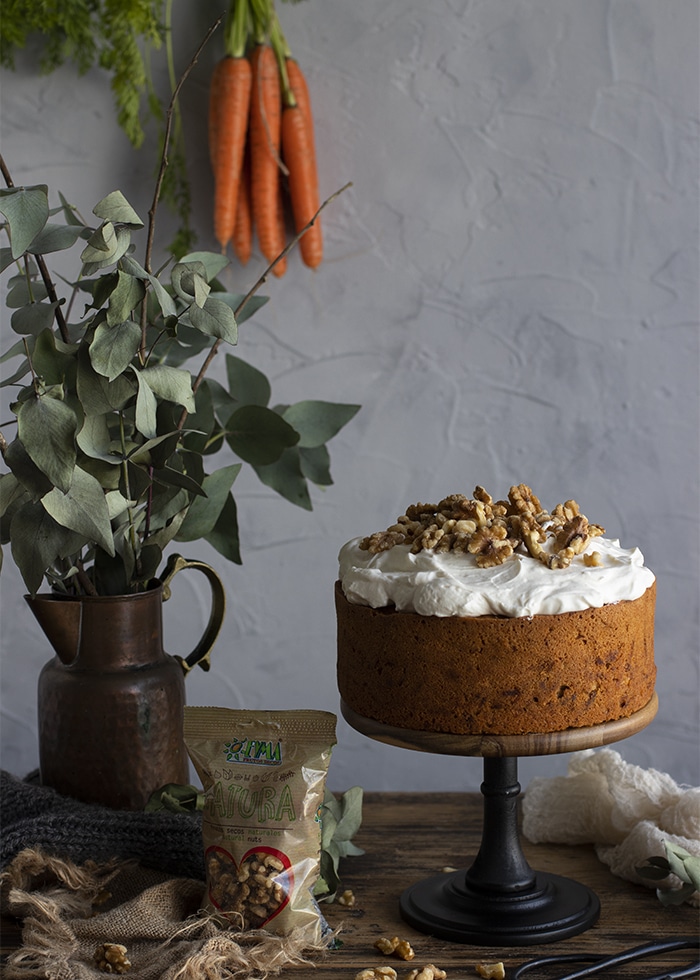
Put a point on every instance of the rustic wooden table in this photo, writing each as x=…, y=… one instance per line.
x=410, y=836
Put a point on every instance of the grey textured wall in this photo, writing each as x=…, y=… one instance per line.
x=510, y=291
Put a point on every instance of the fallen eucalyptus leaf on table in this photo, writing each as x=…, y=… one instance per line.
x=340, y=819
x=679, y=862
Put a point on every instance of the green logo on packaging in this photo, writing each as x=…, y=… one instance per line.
x=252, y=752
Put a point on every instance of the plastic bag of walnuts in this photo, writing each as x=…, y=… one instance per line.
x=263, y=774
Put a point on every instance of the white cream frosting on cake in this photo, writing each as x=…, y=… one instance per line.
x=453, y=584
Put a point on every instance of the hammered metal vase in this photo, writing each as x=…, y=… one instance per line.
x=111, y=700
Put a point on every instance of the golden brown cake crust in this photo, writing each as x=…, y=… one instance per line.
x=496, y=675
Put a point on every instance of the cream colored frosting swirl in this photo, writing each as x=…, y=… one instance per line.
x=452, y=584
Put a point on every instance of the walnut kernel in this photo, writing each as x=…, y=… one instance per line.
x=429, y=972
x=377, y=973
x=491, y=971
x=112, y=958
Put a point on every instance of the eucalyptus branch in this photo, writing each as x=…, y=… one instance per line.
x=127, y=488
x=254, y=289
x=41, y=265
x=84, y=578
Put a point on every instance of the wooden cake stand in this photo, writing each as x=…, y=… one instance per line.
x=500, y=900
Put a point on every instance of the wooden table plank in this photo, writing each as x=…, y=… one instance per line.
x=408, y=837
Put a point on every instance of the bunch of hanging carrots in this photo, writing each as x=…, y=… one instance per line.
x=261, y=140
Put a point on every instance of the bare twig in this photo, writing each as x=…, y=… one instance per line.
x=166, y=142
x=254, y=289
x=163, y=167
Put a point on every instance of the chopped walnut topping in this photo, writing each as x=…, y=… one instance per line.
x=491, y=530
x=592, y=559
x=573, y=534
x=524, y=501
x=491, y=546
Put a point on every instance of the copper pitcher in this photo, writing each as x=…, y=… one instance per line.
x=111, y=701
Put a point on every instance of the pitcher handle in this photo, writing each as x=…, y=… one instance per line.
x=201, y=653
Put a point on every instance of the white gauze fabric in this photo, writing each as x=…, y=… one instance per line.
x=625, y=811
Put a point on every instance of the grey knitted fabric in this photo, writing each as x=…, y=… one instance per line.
x=37, y=816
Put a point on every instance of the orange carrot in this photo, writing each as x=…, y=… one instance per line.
x=243, y=227
x=230, y=97
x=300, y=157
x=265, y=120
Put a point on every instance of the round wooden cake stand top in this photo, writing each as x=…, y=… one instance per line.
x=499, y=900
x=544, y=743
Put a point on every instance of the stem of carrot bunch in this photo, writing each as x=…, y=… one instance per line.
x=262, y=12
x=237, y=28
x=282, y=52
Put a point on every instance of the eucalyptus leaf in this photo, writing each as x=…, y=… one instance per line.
x=189, y=280
x=20, y=294
x=215, y=319
x=286, y=478
x=94, y=439
x=683, y=864
x=234, y=300
x=351, y=814
x=165, y=300
x=205, y=511
x=315, y=465
x=6, y=258
x=82, y=508
x=54, y=238
x=54, y=361
x=69, y=212
x=124, y=298
x=16, y=350
x=212, y=263
x=46, y=427
x=105, y=247
x=25, y=470
x=27, y=211
x=164, y=535
x=117, y=504
x=174, y=478
x=258, y=435
x=97, y=394
x=318, y=421
x=106, y=473
x=114, y=347
x=155, y=451
x=676, y=896
x=36, y=541
x=116, y=208
x=33, y=318
x=224, y=535
x=146, y=406
x=171, y=384
x=101, y=243
x=10, y=490
x=245, y=383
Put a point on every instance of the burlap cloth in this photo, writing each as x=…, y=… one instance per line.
x=69, y=904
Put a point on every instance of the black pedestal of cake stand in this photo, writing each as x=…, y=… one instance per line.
x=499, y=900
